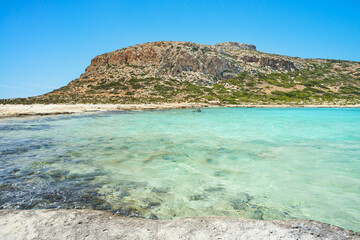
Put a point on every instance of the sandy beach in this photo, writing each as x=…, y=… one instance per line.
x=14, y=110
x=54, y=109
x=89, y=224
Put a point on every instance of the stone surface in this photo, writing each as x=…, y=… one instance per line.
x=88, y=224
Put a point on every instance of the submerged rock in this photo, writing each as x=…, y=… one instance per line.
x=197, y=197
x=215, y=189
x=129, y=212
x=159, y=190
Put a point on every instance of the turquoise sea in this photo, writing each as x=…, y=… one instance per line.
x=260, y=163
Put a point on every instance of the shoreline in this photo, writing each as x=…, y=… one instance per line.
x=91, y=224
x=20, y=110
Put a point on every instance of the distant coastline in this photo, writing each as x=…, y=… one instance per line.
x=20, y=110
x=228, y=73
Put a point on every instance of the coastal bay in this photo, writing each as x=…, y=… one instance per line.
x=242, y=162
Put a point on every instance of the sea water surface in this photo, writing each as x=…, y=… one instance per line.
x=270, y=163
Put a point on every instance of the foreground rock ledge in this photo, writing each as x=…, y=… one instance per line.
x=89, y=224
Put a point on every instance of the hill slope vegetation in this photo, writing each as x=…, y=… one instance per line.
x=224, y=73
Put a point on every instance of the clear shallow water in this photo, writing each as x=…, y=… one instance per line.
x=252, y=163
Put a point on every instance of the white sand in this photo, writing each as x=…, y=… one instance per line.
x=10, y=110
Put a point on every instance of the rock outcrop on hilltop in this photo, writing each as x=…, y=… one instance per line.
x=235, y=46
x=227, y=72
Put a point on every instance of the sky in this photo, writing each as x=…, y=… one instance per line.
x=46, y=44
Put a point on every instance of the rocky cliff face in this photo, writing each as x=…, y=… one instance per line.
x=190, y=61
x=227, y=72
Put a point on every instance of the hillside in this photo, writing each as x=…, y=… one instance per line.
x=224, y=73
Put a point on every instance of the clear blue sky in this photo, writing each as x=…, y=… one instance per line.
x=46, y=44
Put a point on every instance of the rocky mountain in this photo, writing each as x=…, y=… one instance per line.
x=231, y=73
